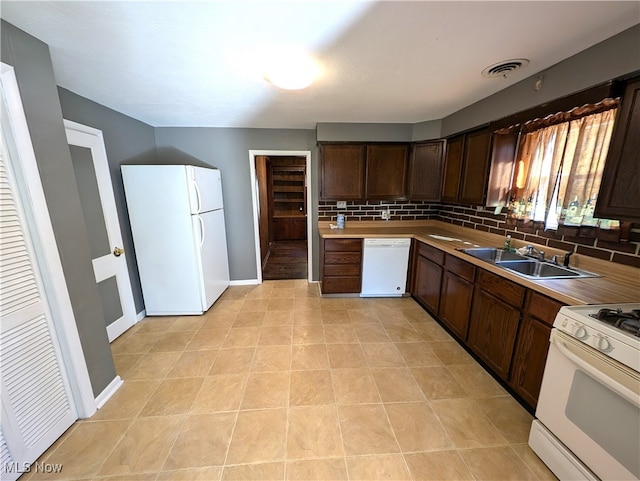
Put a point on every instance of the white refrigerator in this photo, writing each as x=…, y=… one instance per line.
x=177, y=222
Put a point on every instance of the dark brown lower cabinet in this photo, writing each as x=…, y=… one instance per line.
x=456, y=295
x=505, y=324
x=427, y=283
x=341, y=266
x=494, y=321
x=427, y=276
x=532, y=346
x=289, y=228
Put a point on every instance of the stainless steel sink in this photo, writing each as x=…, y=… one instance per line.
x=534, y=269
x=525, y=266
x=493, y=254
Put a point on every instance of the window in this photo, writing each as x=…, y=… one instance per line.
x=559, y=167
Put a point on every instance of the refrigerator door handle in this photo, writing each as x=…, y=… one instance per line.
x=202, y=231
x=198, y=196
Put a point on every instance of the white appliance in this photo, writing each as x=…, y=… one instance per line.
x=384, y=267
x=588, y=413
x=177, y=222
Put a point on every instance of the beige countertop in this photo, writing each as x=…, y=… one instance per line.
x=617, y=284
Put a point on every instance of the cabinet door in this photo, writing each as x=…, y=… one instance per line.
x=618, y=197
x=428, y=279
x=386, y=171
x=492, y=331
x=532, y=346
x=342, y=172
x=452, y=169
x=455, y=303
x=425, y=171
x=289, y=228
x=475, y=166
x=503, y=156
x=530, y=358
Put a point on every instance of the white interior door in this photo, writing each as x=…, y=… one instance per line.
x=36, y=404
x=103, y=228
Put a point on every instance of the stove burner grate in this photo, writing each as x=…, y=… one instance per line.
x=625, y=321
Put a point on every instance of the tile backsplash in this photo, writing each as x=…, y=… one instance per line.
x=622, y=246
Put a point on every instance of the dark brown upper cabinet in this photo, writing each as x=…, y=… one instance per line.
x=452, y=169
x=618, y=197
x=425, y=170
x=503, y=153
x=386, y=171
x=359, y=171
x=342, y=172
x=466, y=167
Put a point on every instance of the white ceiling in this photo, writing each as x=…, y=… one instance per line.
x=183, y=63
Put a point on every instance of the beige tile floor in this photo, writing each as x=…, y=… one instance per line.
x=275, y=382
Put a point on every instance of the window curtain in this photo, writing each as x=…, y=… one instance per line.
x=559, y=167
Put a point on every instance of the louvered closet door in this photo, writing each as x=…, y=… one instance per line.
x=35, y=398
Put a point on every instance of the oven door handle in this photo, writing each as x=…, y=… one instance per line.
x=615, y=386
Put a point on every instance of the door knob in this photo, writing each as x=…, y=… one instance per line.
x=118, y=251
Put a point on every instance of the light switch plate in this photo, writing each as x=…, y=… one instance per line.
x=342, y=204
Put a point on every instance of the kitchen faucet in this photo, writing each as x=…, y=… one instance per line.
x=533, y=252
x=565, y=261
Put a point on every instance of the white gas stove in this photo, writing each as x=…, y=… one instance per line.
x=588, y=411
x=612, y=329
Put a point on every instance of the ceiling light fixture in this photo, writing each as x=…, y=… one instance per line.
x=291, y=71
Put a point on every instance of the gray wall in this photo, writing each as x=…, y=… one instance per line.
x=126, y=141
x=228, y=150
x=612, y=58
x=363, y=132
x=369, y=132
x=34, y=72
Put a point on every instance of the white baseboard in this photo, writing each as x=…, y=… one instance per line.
x=141, y=315
x=109, y=391
x=245, y=282
x=254, y=282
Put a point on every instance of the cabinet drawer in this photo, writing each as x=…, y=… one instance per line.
x=543, y=307
x=342, y=258
x=503, y=289
x=348, y=245
x=431, y=253
x=459, y=267
x=341, y=285
x=342, y=270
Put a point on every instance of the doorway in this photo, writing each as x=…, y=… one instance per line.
x=93, y=179
x=281, y=192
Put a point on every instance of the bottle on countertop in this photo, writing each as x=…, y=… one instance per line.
x=340, y=221
x=507, y=243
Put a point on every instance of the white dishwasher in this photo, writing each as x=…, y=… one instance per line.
x=384, y=267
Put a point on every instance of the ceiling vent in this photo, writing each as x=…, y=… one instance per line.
x=505, y=68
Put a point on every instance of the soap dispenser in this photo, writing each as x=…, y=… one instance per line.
x=507, y=243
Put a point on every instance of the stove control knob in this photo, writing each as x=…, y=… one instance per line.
x=602, y=343
x=580, y=332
